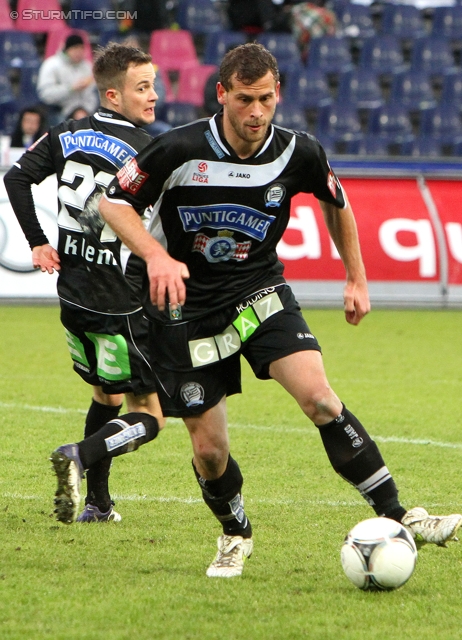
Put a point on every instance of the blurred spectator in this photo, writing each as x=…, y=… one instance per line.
x=65, y=81
x=30, y=126
x=151, y=15
x=259, y=15
x=78, y=113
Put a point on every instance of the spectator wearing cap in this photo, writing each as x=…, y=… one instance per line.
x=65, y=81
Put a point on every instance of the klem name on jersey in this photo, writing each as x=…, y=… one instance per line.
x=250, y=221
x=115, y=150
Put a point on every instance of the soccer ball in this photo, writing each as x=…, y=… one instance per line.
x=378, y=553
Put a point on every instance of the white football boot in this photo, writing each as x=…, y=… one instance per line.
x=433, y=529
x=232, y=553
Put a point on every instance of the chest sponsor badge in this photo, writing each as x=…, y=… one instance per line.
x=222, y=247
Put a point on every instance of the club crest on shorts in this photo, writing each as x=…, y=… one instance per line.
x=192, y=394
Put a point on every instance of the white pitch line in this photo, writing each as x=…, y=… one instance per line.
x=30, y=407
x=255, y=501
x=309, y=431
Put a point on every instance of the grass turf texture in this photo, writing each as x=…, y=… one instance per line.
x=144, y=578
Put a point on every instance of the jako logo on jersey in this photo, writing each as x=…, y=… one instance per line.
x=116, y=151
x=226, y=216
x=131, y=177
x=231, y=174
x=275, y=195
x=202, y=166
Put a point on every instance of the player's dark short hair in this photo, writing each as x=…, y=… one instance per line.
x=249, y=62
x=111, y=64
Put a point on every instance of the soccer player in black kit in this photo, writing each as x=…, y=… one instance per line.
x=220, y=191
x=99, y=280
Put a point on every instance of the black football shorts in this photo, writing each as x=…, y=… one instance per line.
x=198, y=362
x=110, y=351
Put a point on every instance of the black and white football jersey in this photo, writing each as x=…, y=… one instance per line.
x=97, y=272
x=219, y=214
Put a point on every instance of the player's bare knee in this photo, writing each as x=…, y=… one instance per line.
x=149, y=404
x=108, y=399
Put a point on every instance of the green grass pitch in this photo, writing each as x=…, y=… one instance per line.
x=144, y=578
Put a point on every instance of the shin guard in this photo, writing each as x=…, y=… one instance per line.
x=356, y=457
x=119, y=436
x=224, y=499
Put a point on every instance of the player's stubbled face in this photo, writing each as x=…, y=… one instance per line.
x=248, y=111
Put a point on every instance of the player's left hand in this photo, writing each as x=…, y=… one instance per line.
x=166, y=279
x=356, y=301
x=45, y=258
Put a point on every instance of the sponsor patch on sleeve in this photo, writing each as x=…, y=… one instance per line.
x=332, y=183
x=131, y=177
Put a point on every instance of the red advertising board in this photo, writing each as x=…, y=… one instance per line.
x=447, y=196
x=397, y=235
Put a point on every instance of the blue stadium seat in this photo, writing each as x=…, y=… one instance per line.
x=442, y=123
x=447, y=22
x=327, y=142
x=393, y=124
x=284, y=47
x=342, y=123
x=179, y=113
x=6, y=88
x=451, y=89
x=8, y=104
x=361, y=87
x=382, y=54
x=291, y=117
x=17, y=49
x=404, y=21
x=355, y=20
x=28, y=85
x=414, y=90
x=86, y=15
x=426, y=147
x=372, y=145
x=433, y=55
x=200, y=16
x=218, y=43
x=307, y=88
x=330, y=54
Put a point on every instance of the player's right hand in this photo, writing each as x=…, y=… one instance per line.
x=46, y=258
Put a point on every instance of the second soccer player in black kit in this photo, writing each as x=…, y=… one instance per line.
x=99, y=280
x=221, y=192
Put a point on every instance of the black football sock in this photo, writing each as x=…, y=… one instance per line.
x=98, y=474
x=356, y=457
x=119, y=436
x=224, y=499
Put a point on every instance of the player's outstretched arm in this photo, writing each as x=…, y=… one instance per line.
x=343, y=231
x=46, y=258
x=166, y=275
